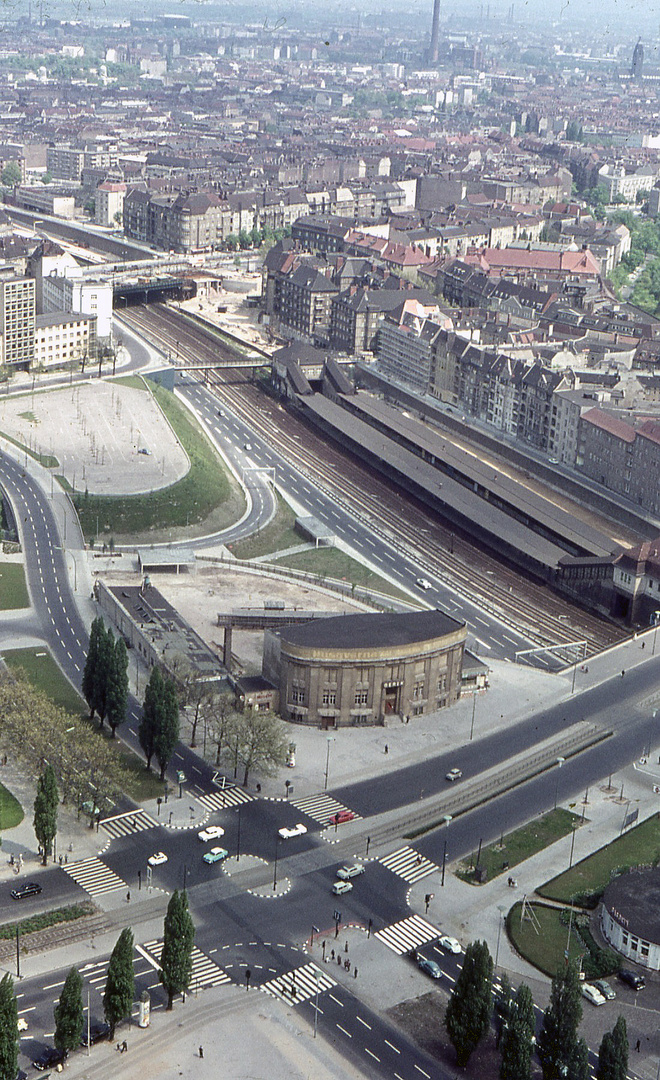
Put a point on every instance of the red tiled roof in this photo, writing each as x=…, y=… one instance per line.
x=606, y=422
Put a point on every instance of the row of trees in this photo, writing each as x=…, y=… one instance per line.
x=255, y=238
x=105, y=676
x=563, y=1054
x=69, y=1012
x=159, y=727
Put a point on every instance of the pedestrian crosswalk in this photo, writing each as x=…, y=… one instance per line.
x=94, y=876
x=321, y=808
x=402, y=937
x=409, y=864
x=124, y=824
x=204, y=971
x=228, y=796
x=299, y=984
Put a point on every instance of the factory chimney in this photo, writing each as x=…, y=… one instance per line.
x=435, y=27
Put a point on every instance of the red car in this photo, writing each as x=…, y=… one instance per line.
x=341, y=816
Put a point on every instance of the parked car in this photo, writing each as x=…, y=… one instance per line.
x=49, y=1058
x=31, y=888
x=211, y=832
x=294, y=830
x=349, y=871
x=158, y=859
x=592, y=994
x=341, y=816
x=429, y=967
x=605, y=989
x=632, y=979
x=340, y=887
x=450, y=944
x=454, y=774
x=97, y=1033
x=216, y=854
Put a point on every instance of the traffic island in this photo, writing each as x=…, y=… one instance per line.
x=515, y=847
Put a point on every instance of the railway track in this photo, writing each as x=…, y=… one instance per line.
x=546, y=618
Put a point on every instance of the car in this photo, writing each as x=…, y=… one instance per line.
x=422, y=583
x=295, y=830
x=216, y=854
x=31, y=888
x=49, y=1058
x=553, y=461
x=22, y=1024
x=349, y=871
x=248, y=447
x=592, y=994
x=211, y=832
x=454, y=774
x=144, y=450
x=158, y=859
x=341, y=816
x=606, y=990
x=221, y=412
x=429, y=967
x=450, y=944
x=632, y=979
x=97, y=1033
x=340, y=887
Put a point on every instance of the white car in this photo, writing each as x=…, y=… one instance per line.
x=296, y=830
x=450, y=944
x=247, y=447
x=454, y=774
x=158, y=859
x=422, y=583
x=347, y=872
x=22, y=1023
x=340, y=887
x=211, y=832
x=592, y=994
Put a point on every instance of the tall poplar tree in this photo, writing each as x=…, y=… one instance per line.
x=120, y=983
x=178, y=941
x=167, y=725
x=516, y=1041
x=150, y=713
x=8, y=1029
x=105, y=654
x=45, y=811
x=89, y=676
x=613, y=1053
x=470, y=1006
x=560, y=1051
x=69, y=1014
x=117, y=685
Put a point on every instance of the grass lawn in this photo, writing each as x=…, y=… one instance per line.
x=190, y=500
x=278, y=535
x=47, y=460
x=639, y=846
x=545, y=948
x=11, y=811
x=334, y=563
x=13, y=588
x=520, y=844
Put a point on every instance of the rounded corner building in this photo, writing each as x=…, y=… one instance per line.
x=630, y=916
x=359, y=669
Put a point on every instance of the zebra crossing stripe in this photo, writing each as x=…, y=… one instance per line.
x=320, y=807
x=409, y=864
x=403, y=936
x=229, y=796
x=125, y=824
x=299, y=984
x=204, y=971
x=94, y=876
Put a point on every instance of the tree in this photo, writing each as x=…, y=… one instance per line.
x=8, y=1030
x=261, y=742
x=149, y=721
x=178, y=941
x=232, y=242
x=120, y=983
x=69, y=1016
x=91, y=663
x=223, y=722
x=106, y=648
x=45, y=811
x=117, y=686
x=468, y=1014
x=613, y=1053
x=167, y=727
x=46, y=177
x=558, y=1045
x=517, y=1034
x=11, y=175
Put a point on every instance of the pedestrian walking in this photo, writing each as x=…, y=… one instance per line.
x=637, y=1045
x=623, y=673
x=128, y=897
x=355, y=973
x=346, y=946
x=332, y=954
x=201, y=1051
x=339, y=960
x=387, y=749
x=124, y=1047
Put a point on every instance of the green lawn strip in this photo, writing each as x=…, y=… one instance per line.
x=13, y=587
x=11, y=811
x=47, y=460
x=191, y=499
x=47, y=919
x=543, y=940
x=277, y=535
x=333, y=563
x=135, y=382
x=43, y=674
x=587, y=879
x=519, y=845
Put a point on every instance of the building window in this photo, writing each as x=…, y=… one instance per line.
x=297, y=696
x=442, y=684
x=361, y=697
x=329, y=697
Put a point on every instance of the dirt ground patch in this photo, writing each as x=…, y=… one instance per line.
x=423, y=1021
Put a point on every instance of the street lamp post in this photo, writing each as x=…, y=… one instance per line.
x=560, y=762
x=474, y=709
x=275, y=870
x=329, y=740
x=570, y=861
x=501, y=908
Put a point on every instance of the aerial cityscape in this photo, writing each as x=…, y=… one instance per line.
x=330, y=561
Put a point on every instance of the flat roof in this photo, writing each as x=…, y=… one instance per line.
x=633, y=899
x=372, y=630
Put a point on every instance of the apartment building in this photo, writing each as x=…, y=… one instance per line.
x=62, y=338
x=109, y=202
x=83, y=296
x=65, y=162
x=17, y=322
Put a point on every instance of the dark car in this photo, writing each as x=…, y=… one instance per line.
x=49, y=1058
x=632, y=979
x=29, y=889
x=97, y=1032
